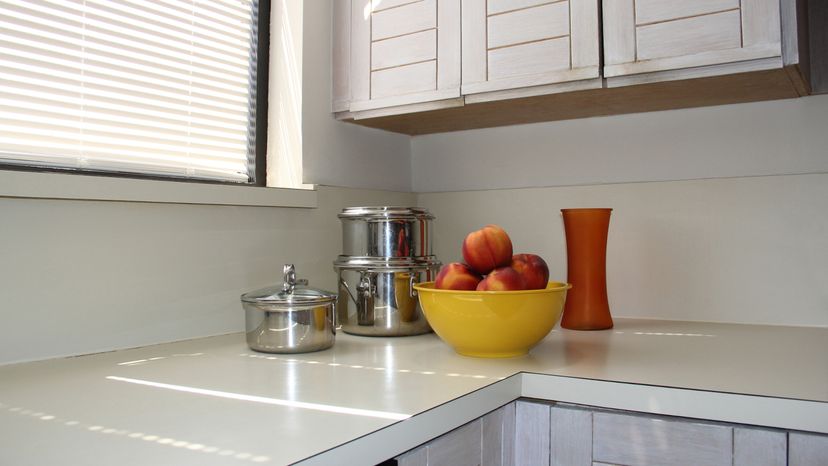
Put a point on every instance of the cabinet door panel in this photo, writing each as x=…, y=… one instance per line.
x=760, y=22
x=759, y=447
x=499, y=6
x=380, y=5
x=408, y=79
x=652, y=11
x=532, y=24
x=689, y=36
x=650, y=36
x=539, y=46
x=403, y=20
x=404, y=50
x=532, y=58
x=807, y=449
x=460, y=447
x=405, y=56
x=532, y=433
x=571, y=439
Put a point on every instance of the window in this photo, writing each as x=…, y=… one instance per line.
x=164, y=87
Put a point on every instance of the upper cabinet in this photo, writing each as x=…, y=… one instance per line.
x=520, y=44
x=646, y=36
x=403, y=52
x=426, y=66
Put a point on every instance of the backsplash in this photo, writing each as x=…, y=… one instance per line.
x=747, y=250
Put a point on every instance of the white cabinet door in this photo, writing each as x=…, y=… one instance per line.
x=646, y=36
x=403, y=52
x=517, y=44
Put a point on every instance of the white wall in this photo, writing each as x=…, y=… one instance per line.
x=338, y=153
x=80, y=277
x=765, y=138
x=751, y=250
x=743, y=243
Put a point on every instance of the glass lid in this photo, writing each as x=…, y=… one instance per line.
x=291, y=291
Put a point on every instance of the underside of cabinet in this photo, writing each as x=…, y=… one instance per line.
x=780, y=83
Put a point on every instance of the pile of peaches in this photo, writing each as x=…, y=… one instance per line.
x=491, y=266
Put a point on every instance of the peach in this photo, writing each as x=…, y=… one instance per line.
x=533, y=269
x=502, y=279
x=457, y=276
x=488, y=248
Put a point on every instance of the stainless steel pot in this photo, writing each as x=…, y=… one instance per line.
x=386, y=232
x=377, y=297
x=290, y=317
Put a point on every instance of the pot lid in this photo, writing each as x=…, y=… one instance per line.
x=291, y=291
x=383, y=212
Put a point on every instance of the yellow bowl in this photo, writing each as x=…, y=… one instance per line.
x=492, y=324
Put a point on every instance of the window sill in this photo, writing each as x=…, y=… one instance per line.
x=39, y=185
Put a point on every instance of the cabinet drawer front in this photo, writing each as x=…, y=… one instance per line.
x=532, y=58
x=651, y=11
x=688, y=36
x=404, y=50
x=412, y=17
x=531, y=24
x=626, y=439
x=407, y=79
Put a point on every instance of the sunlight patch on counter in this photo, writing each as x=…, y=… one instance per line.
x=266, y=400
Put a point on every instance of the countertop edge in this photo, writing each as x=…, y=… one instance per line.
x=704, y=405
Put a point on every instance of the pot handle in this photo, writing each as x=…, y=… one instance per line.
x=344, y=284
x=412, y=280
x=365, y=293
x=334, y=319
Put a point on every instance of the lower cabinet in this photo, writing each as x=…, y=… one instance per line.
x=532, y=433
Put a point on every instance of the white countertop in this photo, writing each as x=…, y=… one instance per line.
x=214, y=401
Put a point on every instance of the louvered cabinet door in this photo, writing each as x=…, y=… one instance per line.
x=404, y=52
x=521, y=45
x=649, y=36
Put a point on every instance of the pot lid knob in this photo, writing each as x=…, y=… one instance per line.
x=290, y=280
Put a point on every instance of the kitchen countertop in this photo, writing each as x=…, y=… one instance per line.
x=214, y=401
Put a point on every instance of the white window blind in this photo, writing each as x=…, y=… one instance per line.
x=161, y=87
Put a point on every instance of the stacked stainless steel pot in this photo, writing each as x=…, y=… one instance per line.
x=385, y=251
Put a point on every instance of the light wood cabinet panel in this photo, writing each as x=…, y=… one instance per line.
x=650, y=36
x=532, y=58
x=759, y=447
x=406, y=19
x=688, y=36
x=640, y=441
x=807, y=449
x=571, y=436
x=654, y=11
x=460, y=447
x=532, y=433
x=498, y=437
x=528, y=25
x=403, y=53
x=403, y=50
x=415, y=457
x=528, y=44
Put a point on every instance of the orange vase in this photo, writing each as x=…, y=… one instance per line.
x=587, y=307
